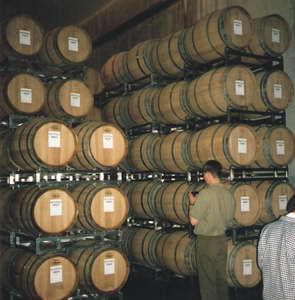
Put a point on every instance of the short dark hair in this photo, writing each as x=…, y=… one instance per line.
x=214, y=167
x=291, y=204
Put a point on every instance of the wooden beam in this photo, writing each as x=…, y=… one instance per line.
x=117, y=14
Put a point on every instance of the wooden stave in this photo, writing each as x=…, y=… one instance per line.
x=265, y=157
x=85, y=259
x=30, y=160
x=84, y=195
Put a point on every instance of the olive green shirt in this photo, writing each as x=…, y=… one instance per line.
x=214, y=209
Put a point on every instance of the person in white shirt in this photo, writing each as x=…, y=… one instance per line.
x=276, y=256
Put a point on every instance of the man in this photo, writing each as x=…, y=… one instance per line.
x=276, y=256
x=212, y=213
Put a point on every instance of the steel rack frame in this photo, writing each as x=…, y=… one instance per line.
x=246, y=233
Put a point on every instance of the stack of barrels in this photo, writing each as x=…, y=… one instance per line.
x=209, y=95
x=48, y=142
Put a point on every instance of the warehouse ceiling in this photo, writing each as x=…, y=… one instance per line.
x=52, y=13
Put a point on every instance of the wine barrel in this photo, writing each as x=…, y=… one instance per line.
x=137, y=60
x=68, y=99
x=142, y=152
x=21, y=36
x=114, y=72
x=214, y=92
x=6, y=220
x=275, y=146
x=95, y=114
x=275, y=91
x=50, y=277
x=164, y=57
x=91, y=79
x=117, y=111
x=141, y=198
x=242, y=269
x=206, y=41
x=169, y=105
x=179, y=253
x=271, y=36
x=22, y=93
x=170, y=152
x=171, y=202
x=140, y=106
x=247, y=204
x=101, y=206
x=65, y=46
x=100, y=145
x=102, y=270
x=41, y=211
x=41, y=142
x=273, y=197
x=231, y=145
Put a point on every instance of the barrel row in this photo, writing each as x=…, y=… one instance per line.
x=49, y=143
x=210, y=95
x=53, y=211
x=203, y=43
x=236, y=145
x=55, y=276
x=23, y=36
x=26, y=94
x=255, y=203
x=177, y=253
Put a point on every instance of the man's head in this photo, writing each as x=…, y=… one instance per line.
x=212, y=171
x=291, y=205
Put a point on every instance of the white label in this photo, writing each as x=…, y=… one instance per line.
x=55, y=207
x=107, y=141
x=280, y=147
x=277, y=91
x=25, y=37
x=73, y=44
x=238, y=27
x=247, y=267
x=245, y=203
x=108, y=204
x=240, y=87
x=75, y=100
x=54, y=139
x=25, y=95
x=283, y=200
x=275, y=35
x=242, y=145
x=55, y=274
x=109, y=266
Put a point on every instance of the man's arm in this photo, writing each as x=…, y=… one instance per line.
x=194, y=221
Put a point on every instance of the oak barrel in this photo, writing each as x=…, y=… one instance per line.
x=95, y=114
x=169, y=104
x=42, y=210
x=170, y=153
x=171, y=202
x=21, y=35
x=41, y=142
x=68, y=99
x=100, y=206
x=65, y=46
x=231, y=145
x=242, y=269
x=103, y=270
x=275, y=91
x=164, y=57
x=273, y=197
x=211, y=94
x=271, y=36
x=50, y=277
x=247, y=204
x=100, y=145
x=22, y=93
x=275, y=146
x=92, y=79
x=206, y=41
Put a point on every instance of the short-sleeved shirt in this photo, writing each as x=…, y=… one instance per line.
x=214, y=209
